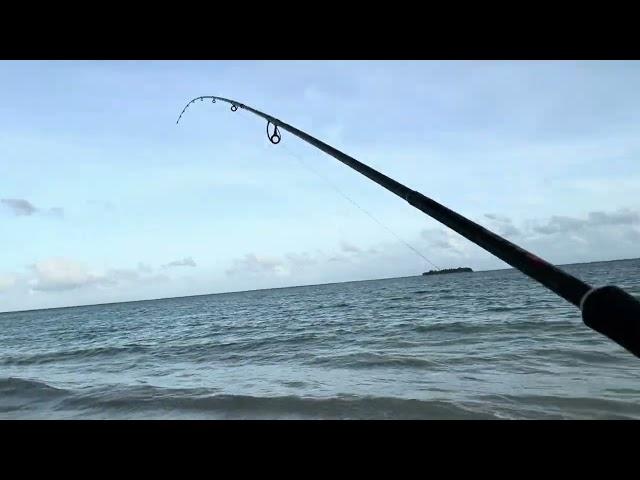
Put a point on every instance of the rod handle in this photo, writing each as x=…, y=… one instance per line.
x=614, y=313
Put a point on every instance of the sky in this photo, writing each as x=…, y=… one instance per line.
x=103, y=198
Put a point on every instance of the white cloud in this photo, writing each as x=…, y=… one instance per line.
x=599, y=236
x=144, y=267
x=301, y=260
x=67, y=281
x=55, y=274
x=6, y=282
x=255, y=265
x=58, y=274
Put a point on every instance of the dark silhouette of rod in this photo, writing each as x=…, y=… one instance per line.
x=609, y=310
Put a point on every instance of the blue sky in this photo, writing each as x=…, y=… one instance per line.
x=104, y=198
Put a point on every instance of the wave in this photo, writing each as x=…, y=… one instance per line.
x=507, y=308
x=333, y=305
x=574, y=356
x=154, y=402
x=564, y=407
x=149, y=402
x=19, y=395
x=63, y=355
x=246, y=348
x=502, y=327
x=24, y=398
x=453, y=327
x=371, y=360
x=21, y=386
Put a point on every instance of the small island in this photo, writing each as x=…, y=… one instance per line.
x=448, y=270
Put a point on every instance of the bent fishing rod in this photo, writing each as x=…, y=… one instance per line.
x=608, y=310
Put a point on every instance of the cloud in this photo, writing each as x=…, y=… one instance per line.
x=57, y=274
x=439, y=239
x=498, y=218
x=563, y=224
x=19, y=206
x=502, y=225
x=300, y=260
x=596, y=236
x=326, y=266
x=253, y=264
x=117, y=275
x=185, y=262
x=621, y=217
x=566, y=239
x=120, y=276
x=144, y=267
x=558, y=224
x=349, y=248
x=6, y=282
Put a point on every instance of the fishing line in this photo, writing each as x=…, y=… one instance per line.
x=275, y=138
x=608, y=310
x=353, y=202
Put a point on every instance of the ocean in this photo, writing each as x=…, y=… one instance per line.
x=482, y=345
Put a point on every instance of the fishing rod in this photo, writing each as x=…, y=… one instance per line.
x=608, y=310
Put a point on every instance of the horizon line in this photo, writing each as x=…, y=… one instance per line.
x=289, y=286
